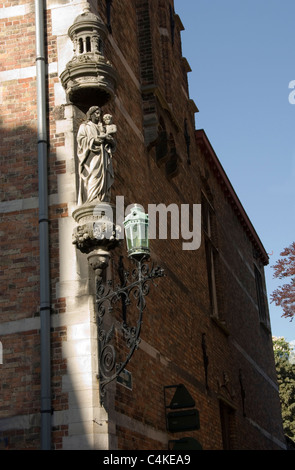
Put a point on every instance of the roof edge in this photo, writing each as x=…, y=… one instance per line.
x=203, y=141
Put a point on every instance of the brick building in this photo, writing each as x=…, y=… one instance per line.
x=205, y=325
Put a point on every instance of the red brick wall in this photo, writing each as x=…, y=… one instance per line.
x=20, y=371
x=178, y=311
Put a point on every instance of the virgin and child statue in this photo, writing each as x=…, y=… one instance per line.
x=96, y=145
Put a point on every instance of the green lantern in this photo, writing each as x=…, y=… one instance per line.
x=136, y=231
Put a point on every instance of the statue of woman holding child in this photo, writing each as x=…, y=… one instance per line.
x=96, y=145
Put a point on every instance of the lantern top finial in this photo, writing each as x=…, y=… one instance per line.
x=136, y=212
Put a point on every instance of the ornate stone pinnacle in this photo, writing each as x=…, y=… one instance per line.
x=86, y=7
x=89, y=78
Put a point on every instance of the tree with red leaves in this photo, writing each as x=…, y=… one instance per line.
x=284, y=296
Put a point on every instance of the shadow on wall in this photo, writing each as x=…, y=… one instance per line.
x=20, y=401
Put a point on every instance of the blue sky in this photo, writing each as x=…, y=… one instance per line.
x=242, y=56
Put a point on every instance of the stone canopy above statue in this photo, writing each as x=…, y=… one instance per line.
x=88, y=79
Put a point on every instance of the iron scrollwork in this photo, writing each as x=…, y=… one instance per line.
x=132, y=288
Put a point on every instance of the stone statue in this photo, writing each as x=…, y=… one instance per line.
x=96, y=145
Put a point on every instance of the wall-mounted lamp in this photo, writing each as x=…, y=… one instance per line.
x=131, y=288
x=136, y=232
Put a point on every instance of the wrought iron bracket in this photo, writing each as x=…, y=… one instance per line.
x=133, y=287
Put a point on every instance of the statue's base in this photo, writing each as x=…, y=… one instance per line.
x=96, y=228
